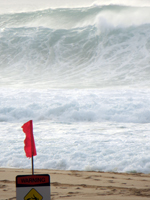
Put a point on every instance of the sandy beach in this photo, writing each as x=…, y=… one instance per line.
x=81, y=185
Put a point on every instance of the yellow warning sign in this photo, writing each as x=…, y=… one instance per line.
x=33, y=195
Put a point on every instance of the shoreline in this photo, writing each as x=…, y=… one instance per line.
x=81, y=185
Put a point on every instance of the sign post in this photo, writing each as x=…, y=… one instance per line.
x=33, y=187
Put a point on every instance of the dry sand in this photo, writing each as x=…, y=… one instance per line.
x=77, y=185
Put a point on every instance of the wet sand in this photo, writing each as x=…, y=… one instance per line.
x=82, y=185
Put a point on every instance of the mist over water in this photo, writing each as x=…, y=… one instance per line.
x=81, y=73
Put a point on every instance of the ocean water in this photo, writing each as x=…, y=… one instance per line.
x=80, y=71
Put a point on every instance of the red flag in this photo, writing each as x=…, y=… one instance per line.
x=29, y=147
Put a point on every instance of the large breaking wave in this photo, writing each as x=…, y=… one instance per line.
x=89, y=47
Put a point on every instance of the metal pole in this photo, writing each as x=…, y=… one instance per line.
x=31, y=126
x=32, y=165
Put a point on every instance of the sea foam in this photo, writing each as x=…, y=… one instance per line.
x=81, y=73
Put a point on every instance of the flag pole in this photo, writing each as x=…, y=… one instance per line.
x=32, y=165
x=32, y=162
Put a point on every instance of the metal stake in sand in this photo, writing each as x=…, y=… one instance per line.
x=32, y=165
x=29, y=147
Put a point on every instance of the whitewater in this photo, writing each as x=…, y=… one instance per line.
x=80, y=71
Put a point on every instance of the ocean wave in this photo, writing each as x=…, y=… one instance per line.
x=110, y=51
x=71, y=106
x=66, y=18
x=80, y=57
